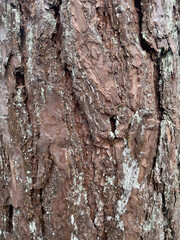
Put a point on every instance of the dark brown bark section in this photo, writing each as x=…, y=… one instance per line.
x=89, y=119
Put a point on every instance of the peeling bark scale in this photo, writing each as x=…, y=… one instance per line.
x=89, y=119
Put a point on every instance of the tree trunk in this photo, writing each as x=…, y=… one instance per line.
x=89, y=119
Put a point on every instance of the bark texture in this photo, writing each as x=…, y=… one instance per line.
x=89, y=119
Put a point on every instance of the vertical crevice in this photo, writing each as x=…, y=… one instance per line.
x=145, y=46
x=7, y=65
x=104, y=236
x=164, y=202
x=22, y=36
x=42, y=212
x=22, y=29
x=19, y=76
x=160, y=81
x=20, y=89
x=161, y=111
x=161, y=186
x=10, y=223
x=154, y=57
x=57, y=34
x=20, y=72
x=179, y=174
x=13, y=5
x=113, y=123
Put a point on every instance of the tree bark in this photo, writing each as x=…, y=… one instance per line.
x=89, y=119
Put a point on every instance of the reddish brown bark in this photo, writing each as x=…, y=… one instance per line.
x=89, y=119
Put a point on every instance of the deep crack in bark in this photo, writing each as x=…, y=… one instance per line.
x=10, y=223
x=42, y=212
x=145, y=45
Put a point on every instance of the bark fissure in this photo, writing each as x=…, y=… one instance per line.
x=10, y=223
x=56, y=37
x=145, y=46
x=168, y=229
x=113, y=124
x=42, y=212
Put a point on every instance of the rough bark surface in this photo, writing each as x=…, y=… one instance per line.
x=89, y=119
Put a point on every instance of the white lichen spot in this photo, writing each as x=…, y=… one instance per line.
x=1, y=163
x=73, y=223
x=72, y=219
x=29, y=180
x=130, y=180
x=121, y=225
x=73, y=237
x=30, y=44
x=32, y=227
x=43, y=95
x=156, y=218
x=131, y=173
x=117, y=132
x=110, y=180
x=100, y=206
x=112, y=135
x=126, y=152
